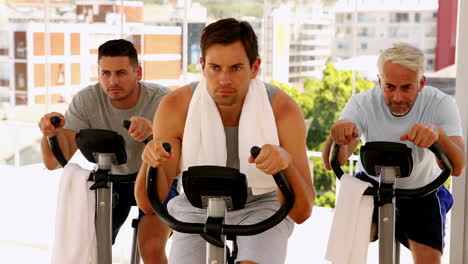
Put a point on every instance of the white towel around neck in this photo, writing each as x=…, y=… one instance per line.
x=204, y=139
x=350, y=231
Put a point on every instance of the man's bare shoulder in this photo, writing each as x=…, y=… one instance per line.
x=178, y=100
x=284, y=106
x=171, y=114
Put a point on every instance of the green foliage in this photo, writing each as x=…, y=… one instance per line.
x=223, y=9
x=192, y=68
x=321, y=102
x=448, y=183
x=326, y=199
x=329, y=96
x=303, y=100
x=254, y=8
x=324, y=180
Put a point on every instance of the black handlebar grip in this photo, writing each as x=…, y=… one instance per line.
x=167, y=146
x=55, y=120
x=255, y=151
x=54, y=144
x=126, y=124
x=333, y=159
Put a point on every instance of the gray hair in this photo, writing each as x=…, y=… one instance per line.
x=406, y=55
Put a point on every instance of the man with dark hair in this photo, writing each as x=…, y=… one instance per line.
x=119, y=48
x=215, y=122
x=227, y=31
x=119, y=95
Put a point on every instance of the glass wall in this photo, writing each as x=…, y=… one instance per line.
x=48, y=52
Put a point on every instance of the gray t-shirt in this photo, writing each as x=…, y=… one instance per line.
x=376, y=123
x=91, y=108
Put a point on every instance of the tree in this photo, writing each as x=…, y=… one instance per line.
x=321, y=102
x=303, y=100
x=329, y=96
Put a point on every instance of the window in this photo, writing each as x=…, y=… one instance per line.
x=340, y=18
x=157, y=29
x=363, y=47
x=362, y=32
x=4, y=43
x=417, y=17
x=4, y=76
x=367, y=18
x=21, y=50
x=399, y=17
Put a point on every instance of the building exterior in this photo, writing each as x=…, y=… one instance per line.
x=297, y=43
x=446, y=33
x=379, y=23
x=71, y=63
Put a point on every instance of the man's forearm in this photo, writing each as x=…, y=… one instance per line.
x=66, y=143
x=140, y=189
x=304, y=195
x=47, y=156
x=345, y=152
x=455, y=152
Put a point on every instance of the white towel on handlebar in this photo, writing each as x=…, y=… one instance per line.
x=350, y=231
x=75, y=236
x=204, y=140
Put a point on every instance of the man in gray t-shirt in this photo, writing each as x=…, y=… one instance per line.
x=119, y=95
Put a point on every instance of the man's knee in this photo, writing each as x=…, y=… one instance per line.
x=153, y=251
x=152, y=234
x=152, y=245
x=424, y=253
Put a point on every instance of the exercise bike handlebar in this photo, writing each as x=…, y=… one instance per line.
x=402, y=193
x=54, y=145
x=127, y=123
x=57, y=151
x=241, y=230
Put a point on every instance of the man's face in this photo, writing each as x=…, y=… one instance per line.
x=119, y=80
x=228, y=73
x=400, y=87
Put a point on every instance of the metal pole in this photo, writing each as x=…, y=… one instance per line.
x=217, y=209
x=104, y=216
x=387, y=220
x=459, y=186
x=135, y=258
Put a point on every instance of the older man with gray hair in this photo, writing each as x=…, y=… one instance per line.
x=402, y=109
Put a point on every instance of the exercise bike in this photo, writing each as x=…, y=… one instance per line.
x=389, y=161
x=104, y=148
x=218, y=189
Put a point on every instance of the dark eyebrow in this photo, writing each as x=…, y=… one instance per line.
x=237, y=64
x=119, y=70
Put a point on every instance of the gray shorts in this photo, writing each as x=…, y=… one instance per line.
x=268, y=247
